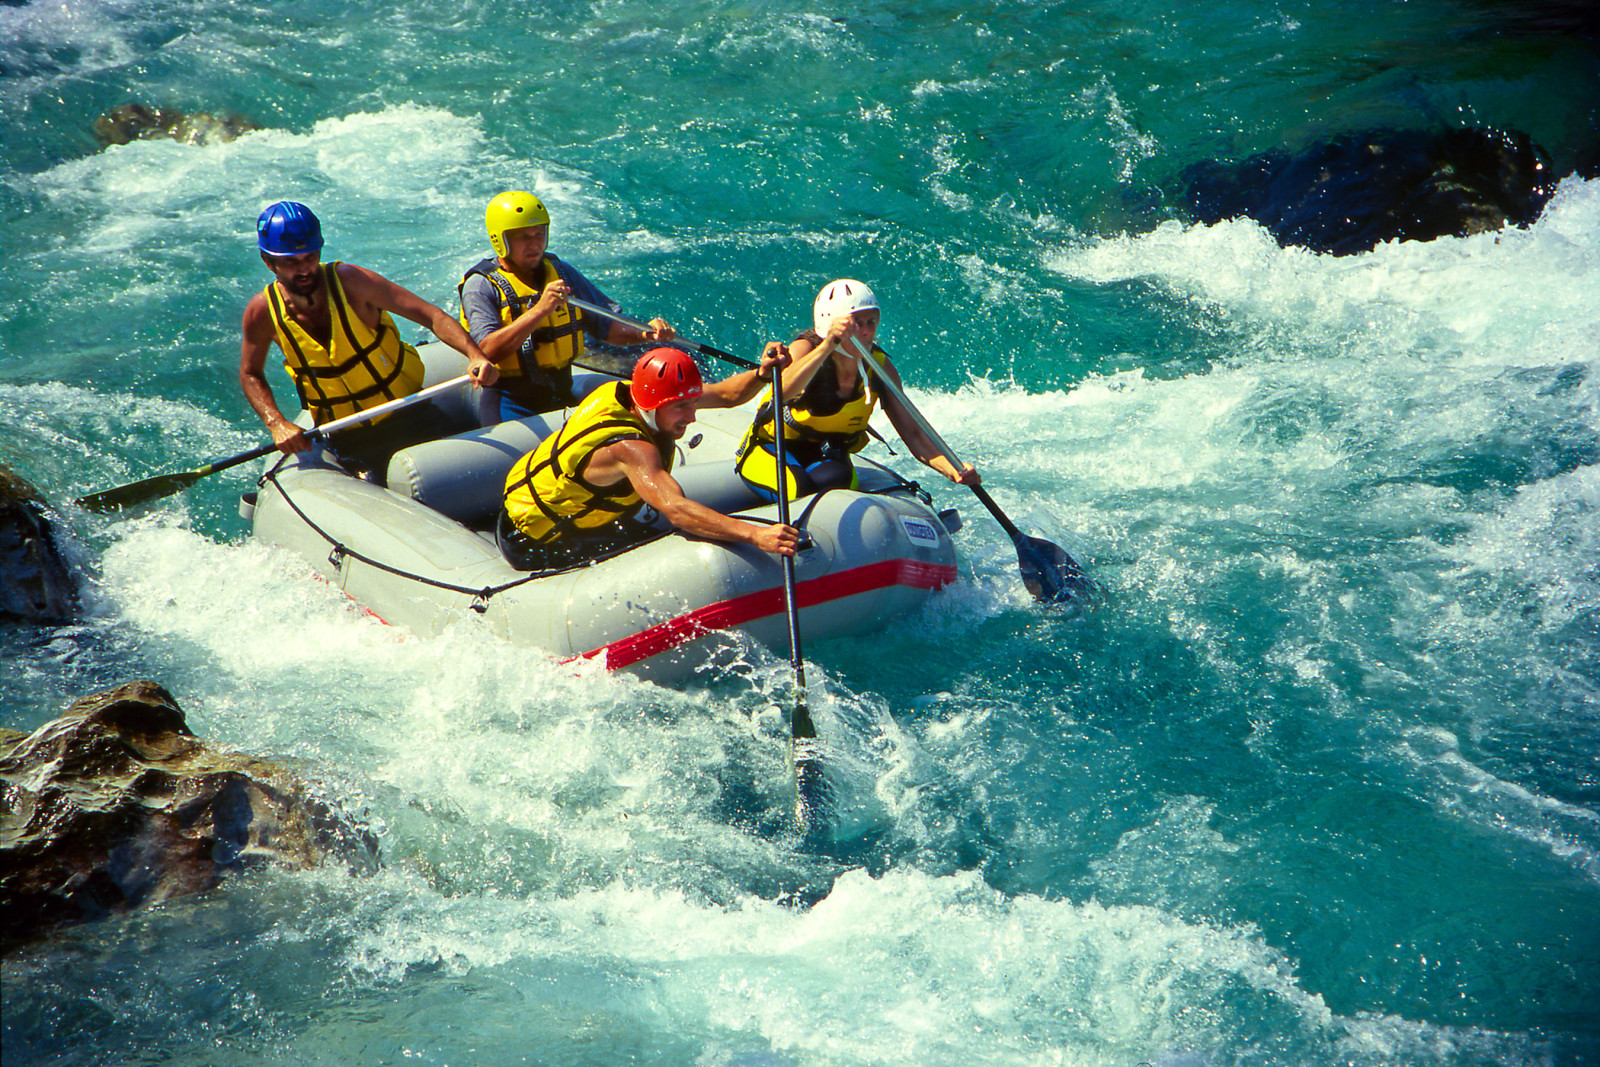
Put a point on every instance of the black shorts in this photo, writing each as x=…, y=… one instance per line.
x=370, y=446
x=520, y=395
x=526, y=554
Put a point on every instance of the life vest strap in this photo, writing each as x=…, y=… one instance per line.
x=512, y=305
x=306, y=374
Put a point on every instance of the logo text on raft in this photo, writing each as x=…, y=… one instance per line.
x=921, y=533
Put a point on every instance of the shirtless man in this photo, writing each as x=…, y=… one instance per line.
x=340, y=346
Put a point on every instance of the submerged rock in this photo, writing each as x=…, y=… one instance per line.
x=136, y=122
x=117, y=805
x=1349, y=194
x=1544, y=18
x=37, y=583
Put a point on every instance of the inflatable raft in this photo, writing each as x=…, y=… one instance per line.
x=420, y=553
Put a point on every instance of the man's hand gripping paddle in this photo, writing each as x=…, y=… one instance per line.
x=126, y=496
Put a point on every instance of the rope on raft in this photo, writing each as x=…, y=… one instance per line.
x=482, y=596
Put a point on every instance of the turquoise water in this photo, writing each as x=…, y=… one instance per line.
x=1319, y=783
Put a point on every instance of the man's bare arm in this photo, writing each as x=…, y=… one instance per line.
x=639, y=462
x=253, y=350
x=364, y=287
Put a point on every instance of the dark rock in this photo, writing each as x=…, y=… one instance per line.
x=136, y=122
x=117, y=805
x=37, y=583
x=1351, y=193
x=1543, y=18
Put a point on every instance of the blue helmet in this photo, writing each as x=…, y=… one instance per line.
x=288, y=229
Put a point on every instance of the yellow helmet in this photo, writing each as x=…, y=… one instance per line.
x=512, y=211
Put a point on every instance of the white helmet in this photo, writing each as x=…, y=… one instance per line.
x=846, y=296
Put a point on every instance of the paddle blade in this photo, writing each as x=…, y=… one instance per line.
x=127, y=496
x=811, y=789
x=811, y=801
x=1049, y=573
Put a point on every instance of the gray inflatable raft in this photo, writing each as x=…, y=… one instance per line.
x=420, y=554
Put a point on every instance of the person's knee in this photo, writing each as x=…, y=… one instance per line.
x=758, y=469
x=761, y=475
x=513, y=410
x=830, y=474
x=489, y=406
x=518, y=549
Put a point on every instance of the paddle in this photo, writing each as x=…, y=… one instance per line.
x=705, y=350
x=1047, y=571
x=126, y=496
x=804, y=746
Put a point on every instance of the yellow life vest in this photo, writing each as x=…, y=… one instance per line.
x=819, y=414
x=555, y=342
x=547, y=496
x=361, y=368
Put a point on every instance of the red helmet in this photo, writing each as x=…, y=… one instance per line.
x=663, y=375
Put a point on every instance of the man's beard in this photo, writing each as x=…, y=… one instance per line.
x=305, y=286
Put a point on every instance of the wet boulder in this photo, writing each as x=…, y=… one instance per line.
x=37, y=581
x=130, y=122
x=1350, y=193
x=1543, y=18
x=117, y=805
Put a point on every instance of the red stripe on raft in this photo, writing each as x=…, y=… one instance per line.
x=727, y=614
x=318, y=575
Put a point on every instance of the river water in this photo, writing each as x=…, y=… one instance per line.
x=1317, y=782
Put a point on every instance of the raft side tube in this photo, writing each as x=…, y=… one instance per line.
x=864, y=572
x=662, y=610
x=464, y=476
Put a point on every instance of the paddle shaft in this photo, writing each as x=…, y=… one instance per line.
x=340, y=424
x=644, y=327
x=168, y=484
x=809, y=800
x=1018, y=538
x=801, y=725
x=944, y=448
x=802, y=730
x=385, y=408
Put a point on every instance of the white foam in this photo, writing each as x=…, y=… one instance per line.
x=72, y=423
x=95, y=34
x=1461, y=786
x=163, y=189
x=906, y=968
x=1348, y=368
x=947, y=160
x=400, y=189
x=269, y=660
x=1130, y=144
x=789, y=34
x=1548, y=534
x=934, y=87
x=1493, y=296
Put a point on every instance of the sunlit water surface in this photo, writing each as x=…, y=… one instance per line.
x=1316, y=783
